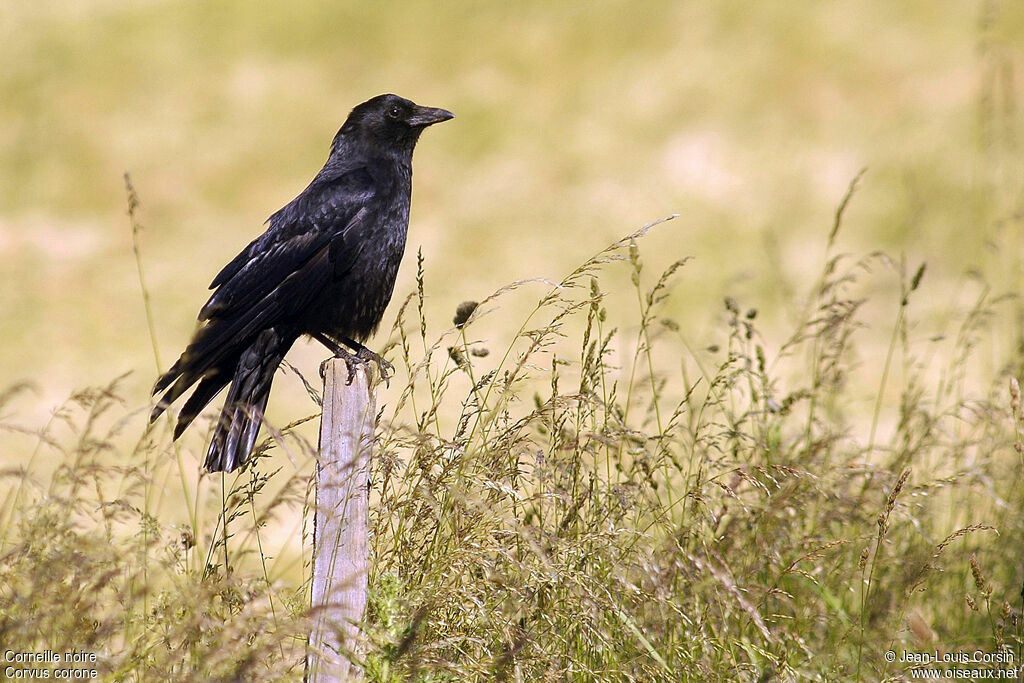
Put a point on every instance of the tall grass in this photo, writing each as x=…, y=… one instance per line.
x=590, y=493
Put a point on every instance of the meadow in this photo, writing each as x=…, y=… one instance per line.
x=740, y=399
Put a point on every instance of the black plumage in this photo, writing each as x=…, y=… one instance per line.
x=325, y=267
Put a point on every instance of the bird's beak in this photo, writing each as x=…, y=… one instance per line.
x=428, y=116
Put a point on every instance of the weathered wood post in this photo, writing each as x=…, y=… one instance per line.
x=340, y=523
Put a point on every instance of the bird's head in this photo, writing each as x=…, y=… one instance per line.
x=390, y=122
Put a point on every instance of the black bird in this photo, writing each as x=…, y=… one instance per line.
x=325, y=267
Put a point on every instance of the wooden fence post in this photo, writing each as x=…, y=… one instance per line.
x=340, y=523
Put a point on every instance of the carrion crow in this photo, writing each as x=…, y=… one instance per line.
x=325, y=267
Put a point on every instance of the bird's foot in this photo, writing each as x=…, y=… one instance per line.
x=361, y=355
x=365, y=355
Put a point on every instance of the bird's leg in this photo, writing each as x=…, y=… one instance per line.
x=332, y=346
x=361, y=355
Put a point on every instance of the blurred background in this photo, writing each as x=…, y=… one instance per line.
x=576, y=123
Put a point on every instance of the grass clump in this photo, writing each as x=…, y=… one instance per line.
x=85, y=569
x=602, y=498
x=608, y=504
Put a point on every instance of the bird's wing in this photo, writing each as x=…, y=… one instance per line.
x=324, y=216
x=309, y=242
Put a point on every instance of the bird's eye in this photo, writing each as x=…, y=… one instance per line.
x=394, y=113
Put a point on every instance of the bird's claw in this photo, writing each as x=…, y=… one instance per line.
x=387, y=370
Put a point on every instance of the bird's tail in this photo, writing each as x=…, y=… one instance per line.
x=242, y=415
